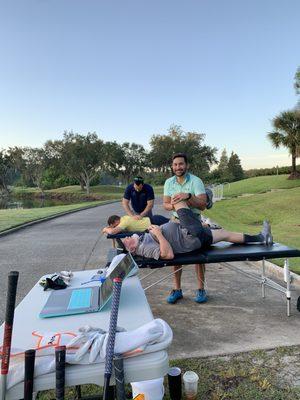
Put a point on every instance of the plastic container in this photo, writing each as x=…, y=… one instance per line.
x=190, y=381
x=152, y=389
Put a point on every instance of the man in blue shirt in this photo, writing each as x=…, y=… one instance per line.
x=138, y=199
x=184, y=186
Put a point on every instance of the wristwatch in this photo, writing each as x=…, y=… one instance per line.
x=190, y=195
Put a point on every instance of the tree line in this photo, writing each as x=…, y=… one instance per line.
x=84, y=159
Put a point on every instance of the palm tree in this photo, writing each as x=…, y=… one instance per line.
x=287, y=133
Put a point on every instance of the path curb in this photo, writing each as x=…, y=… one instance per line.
x=277, y=272
x=61, y=214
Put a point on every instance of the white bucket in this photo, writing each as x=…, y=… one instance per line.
x=152, y=389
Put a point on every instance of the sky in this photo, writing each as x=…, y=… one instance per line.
x=128, y=69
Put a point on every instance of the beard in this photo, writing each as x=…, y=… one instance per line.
x=180, y=172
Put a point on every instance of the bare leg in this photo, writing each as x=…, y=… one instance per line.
x=189, y=221
x=221, y=234
x=200, y=273
x=177, y=277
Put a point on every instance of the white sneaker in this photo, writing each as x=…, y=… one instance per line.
x=266, y=232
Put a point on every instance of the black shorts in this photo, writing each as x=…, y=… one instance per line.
x=206, y=237
x=193, y=224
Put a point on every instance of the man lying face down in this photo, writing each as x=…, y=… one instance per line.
x=172, y=238
x=127, y=223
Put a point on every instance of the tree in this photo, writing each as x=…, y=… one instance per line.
x=114, y=158
x=200, y=156
x=223, y=166
x=134, y=160
x=297, y=81
x=31, y=163
x=55, y=175
x=235, y=169
x=82, y=156
x=297, y=86
x=6, y=171
x=287, y=133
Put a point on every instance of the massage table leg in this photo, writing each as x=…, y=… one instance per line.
x=162, y=279
x=287, y=279
x=263, y=278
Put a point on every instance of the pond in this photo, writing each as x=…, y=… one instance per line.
x=17, y=203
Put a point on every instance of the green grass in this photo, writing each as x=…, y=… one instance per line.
x=259, y=184
x=12, y=218
x=246, y=214
x=256, y=375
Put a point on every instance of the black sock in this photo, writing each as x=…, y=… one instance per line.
x=253, y=238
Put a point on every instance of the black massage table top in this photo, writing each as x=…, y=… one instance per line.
x=222, y=252
x=123, y=235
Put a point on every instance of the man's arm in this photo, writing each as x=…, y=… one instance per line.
x=112, y=231
x=166, y=251
x=125, y=204
x=167, y=203
x=148, y=208
x=198, y=201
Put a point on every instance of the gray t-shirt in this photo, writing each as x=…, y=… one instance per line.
x=179, y=238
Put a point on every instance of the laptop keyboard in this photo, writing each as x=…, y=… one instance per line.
x=80, y=298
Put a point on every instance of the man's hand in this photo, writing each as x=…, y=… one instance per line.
x=104, y=230
x=176, y=198
x=155, y=230
x=137, y=217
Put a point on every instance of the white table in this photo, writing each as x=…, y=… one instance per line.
x=134, y=311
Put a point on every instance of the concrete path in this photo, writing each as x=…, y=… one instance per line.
x=235, y=319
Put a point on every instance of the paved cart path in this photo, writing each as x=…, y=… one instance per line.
x=235, y=319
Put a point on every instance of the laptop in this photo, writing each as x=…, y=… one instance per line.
x=81, y=300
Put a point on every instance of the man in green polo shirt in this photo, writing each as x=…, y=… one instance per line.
x=185, y=186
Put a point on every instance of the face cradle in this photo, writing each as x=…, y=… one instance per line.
x=179, y=166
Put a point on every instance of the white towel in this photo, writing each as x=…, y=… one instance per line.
x=91, y=342
x=153, y=336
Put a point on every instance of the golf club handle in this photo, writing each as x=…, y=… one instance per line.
x=29, y=374
x=106, y=387
x=112, y=325
x=9, y=318
x=119, y=377
x=60, y=361
x=11, y=296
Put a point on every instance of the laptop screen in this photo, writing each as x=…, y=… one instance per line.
x=122, y=267
x=121, y=270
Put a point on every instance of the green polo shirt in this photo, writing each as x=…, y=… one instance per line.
x=192, y=184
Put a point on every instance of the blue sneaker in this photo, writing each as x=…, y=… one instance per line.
x=201, y=296
x=174, y=296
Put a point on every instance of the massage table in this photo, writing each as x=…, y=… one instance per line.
x=224, y=252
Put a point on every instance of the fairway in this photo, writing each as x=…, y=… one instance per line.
x=259, y=184
x=246, y=214
x=16, y=217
